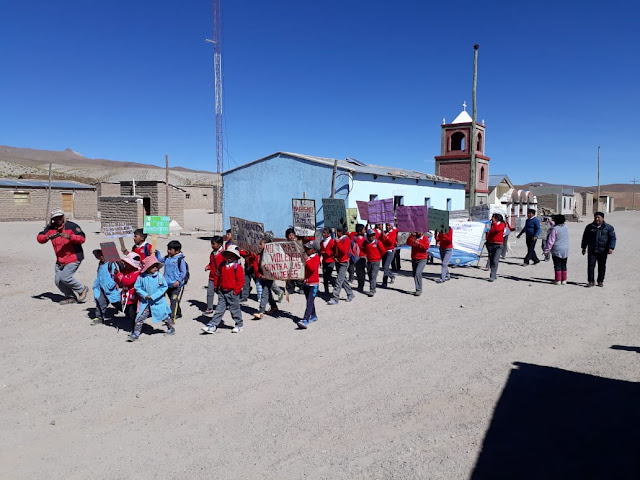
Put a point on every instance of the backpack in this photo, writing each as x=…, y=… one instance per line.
x=186, y=275
x=354, y=251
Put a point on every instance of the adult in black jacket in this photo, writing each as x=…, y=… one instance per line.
x=599, y=240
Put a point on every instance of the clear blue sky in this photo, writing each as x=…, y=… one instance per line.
x=368, y=79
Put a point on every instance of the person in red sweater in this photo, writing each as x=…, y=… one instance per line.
x=419, y=244
x=361, y=262
x=215, y=259
x=341, y=254
x=327, y=247
x=140, y=245
x=494, y=242
x=67, y=239
x=126, y=280
x=311, y=281
x=444, y=239
x=229, y=283
x=388, y=238
x=374, y=250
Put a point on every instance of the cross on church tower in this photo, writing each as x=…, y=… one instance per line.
x=464, y=105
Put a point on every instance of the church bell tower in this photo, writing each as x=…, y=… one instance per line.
x=454, y=160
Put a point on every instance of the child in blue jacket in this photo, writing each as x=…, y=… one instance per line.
x=150, y=288
x=105, y=289
x=175, y=272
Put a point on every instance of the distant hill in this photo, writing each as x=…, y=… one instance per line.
x=621, y=192
x=68, y=164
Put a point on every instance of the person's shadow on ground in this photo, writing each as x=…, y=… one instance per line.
x=54, y=297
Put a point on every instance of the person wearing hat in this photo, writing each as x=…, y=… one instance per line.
x=126, y=280
x=150, y=288
x=105, y=288
x=311, y=282
x=228, y=286
x=374, y=250
x=67, y=239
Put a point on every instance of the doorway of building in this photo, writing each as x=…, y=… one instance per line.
x=67, y=204
x=146, y=205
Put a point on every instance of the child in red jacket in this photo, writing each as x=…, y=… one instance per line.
x=311, y=281
x=229, y=282
x=215, y=259
x=342, y=246
x=419, y=244
x=328, y=261
x=374, y=250
x=126, y=280
x=388, y=239
x=444, y=239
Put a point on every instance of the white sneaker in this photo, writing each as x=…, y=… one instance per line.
x=236, y=330
x=209, y=329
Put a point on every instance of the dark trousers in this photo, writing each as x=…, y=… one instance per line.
x=327, y=276
x=310, y=292
x=601, y=260
x=494, y=249
x=361, y=268
x=395, y=264
x=531, y=250
x=372, y=270
x=559, y=264
x=102, y=302
x=246, y=289
x=174, y=297
x=387, y=258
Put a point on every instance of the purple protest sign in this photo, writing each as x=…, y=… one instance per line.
x=412, y=219
x=363, y=209
x=381, y=211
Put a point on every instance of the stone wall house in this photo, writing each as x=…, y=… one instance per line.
x=26, y=199
x=202, y=197
x=154, y=194
x=128, y=210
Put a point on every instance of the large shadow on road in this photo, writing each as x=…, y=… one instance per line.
x=556, y=424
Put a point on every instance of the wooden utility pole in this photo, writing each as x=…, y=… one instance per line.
x=46, y=214
x=333, y=178
x=166, y=177
x=633, y=194
x=598, y=201
x=472, y=140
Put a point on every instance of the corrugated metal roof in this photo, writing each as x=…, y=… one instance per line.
x=494, y=180
x=26, y=183
x=357, y=167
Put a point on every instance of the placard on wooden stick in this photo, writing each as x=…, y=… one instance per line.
x=110, y=252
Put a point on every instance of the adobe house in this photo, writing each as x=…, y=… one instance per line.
x=139, y=198
x=26, y=199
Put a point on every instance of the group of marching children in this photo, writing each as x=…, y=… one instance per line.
x=136, y=286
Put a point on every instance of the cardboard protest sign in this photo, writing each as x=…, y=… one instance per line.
x=381, y=211
x=110, y=252
x=363, y=209
x=482, y=213
x=246, y=234
x=438, y=220
x=412, y=219
x=156, y=225
x=304, y=216
x=402, y=238
x=283, y=261
x=335, y=212
x=352, y=219
x=458, y=215
x=117, y=230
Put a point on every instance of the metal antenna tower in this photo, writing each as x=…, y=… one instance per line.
x=217, y=73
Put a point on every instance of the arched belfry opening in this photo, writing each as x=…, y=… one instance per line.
x=458, y=140
x=479, y=143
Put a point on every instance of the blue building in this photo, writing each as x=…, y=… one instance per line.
x=261, y=191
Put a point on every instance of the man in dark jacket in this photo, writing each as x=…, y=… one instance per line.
x=67, y=239
x=532, y=231
x=599, y=240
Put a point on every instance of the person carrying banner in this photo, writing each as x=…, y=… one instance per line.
x=495, y=242
x=311, y=282
x=388, y=239
x=140, y=245
x=105, y=288
x=341, y=254
x=328, y=262
x=126, y=280
x=419, y=244
x=266, y=295
x=374, y=250
x=361, y=263
x=444, y=240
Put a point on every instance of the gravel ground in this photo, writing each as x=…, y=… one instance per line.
x=392, y=386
